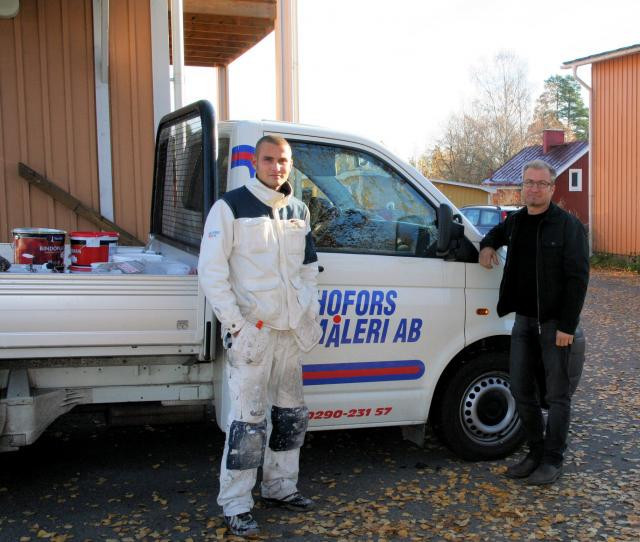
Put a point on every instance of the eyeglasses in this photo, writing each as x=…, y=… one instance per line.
x=536, y=184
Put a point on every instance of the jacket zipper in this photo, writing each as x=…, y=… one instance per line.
x=537, y=274
x=282, y=253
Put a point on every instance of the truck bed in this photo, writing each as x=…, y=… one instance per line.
x=72, y=314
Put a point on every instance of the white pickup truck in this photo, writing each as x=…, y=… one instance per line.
x=410, y=329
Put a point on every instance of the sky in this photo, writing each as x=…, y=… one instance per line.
x=394, y=71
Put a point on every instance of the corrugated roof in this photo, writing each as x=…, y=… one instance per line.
x=559, y=157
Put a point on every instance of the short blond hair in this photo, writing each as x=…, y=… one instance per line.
x=274, y=140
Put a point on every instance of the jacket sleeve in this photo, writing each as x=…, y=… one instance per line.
x=213, y=266
x=575, y=263
x=496, y=237
x=309, y=271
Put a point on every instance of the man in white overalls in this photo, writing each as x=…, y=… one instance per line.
x=258, y=269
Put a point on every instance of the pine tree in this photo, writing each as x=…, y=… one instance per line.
x=560, y=106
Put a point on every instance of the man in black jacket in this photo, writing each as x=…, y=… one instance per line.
x=544, y=282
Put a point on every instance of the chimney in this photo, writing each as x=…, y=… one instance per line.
x=551, y=138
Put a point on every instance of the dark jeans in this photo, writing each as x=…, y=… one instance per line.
x=543, y=373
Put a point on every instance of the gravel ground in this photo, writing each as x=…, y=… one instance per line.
x=84, y=480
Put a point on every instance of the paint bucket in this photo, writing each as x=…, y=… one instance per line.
x=80, y=268
x=43, y=244
x=89, y=247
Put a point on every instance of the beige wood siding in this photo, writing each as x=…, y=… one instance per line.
x=616, y=151
x=463, y=195
x=132, y=130
x=47, y=112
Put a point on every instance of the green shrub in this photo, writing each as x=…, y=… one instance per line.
x=614, y=261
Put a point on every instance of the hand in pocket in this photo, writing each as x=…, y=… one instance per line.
x=308, y=333
x=250, y=343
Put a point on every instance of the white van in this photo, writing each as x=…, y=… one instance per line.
x=411, y=332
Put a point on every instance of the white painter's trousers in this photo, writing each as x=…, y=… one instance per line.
x=275, y=379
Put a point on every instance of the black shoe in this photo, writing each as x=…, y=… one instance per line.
x=296, y=502
x=524, y=468
x=545, y=474
x=242, y=524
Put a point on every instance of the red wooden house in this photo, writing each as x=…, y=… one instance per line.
x=571, y=162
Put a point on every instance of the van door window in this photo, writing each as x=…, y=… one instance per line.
x=360, y=204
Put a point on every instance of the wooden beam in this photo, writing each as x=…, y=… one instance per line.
x=212, y=49
x=258, y=8
x=62, y=196
x=223, y=19
x=207, y=60
x=212, y=38
x=208, y=63
x=212, y=55
x=215, y=29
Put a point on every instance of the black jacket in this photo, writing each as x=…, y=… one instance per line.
x=562, y=266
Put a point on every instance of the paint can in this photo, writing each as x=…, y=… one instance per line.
x=89, y=247
x=44, y=245
x=80, y=268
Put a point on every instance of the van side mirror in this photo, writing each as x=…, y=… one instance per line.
x=449, y=232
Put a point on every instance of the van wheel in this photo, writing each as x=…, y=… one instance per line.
x=477, y=416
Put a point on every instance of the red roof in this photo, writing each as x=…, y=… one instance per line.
x=560, y=157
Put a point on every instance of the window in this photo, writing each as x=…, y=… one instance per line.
x=489, y=217
x=575, y=180
x=360, y=204
x=179, y=180
x=473, y=215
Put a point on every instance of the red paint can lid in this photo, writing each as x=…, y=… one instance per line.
x=80, y=268
x=94, y=234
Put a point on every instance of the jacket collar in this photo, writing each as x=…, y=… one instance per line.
x=268, y=196
x=550, y=212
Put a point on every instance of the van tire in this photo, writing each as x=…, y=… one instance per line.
x=476, y=416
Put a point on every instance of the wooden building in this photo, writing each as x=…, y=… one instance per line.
x=571, y=162
x=615, y=149
x=462, y=194
x=83, y=83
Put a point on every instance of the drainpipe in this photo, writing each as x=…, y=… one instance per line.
x=177, y=49
x=590, y=182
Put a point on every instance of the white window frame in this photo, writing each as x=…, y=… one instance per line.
x=577, y=188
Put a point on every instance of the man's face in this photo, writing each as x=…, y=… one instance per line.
x=273, y=164
x=537, y=189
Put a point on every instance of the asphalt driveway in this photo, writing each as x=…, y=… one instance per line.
x=84, y=480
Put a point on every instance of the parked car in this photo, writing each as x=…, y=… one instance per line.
x=485, y=217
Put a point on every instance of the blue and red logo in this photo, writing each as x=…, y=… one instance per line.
x=241, y=155
x=366, y=371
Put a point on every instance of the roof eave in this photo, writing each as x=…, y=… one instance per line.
x=599, y=57
x=572, y=160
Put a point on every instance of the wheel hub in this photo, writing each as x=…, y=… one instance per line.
x=488, y=410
